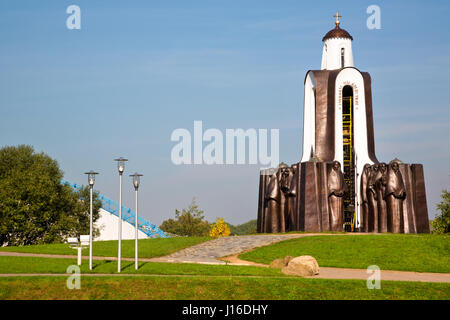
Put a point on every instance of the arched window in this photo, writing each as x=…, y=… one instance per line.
x=342, y=57
x=349, y=156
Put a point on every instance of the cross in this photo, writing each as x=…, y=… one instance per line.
x=337, y=16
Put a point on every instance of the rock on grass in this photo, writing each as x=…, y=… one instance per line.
x=303, y=266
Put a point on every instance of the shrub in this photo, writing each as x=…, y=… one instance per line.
x=190, y=222
x=441, y=224
x=219, y=229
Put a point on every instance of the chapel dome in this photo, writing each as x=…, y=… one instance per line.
x=337, y=32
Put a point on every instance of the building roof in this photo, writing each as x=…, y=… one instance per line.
x=337, y=32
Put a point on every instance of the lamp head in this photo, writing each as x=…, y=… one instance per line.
x=136, y=179
x=121, y=164
x=91, y=177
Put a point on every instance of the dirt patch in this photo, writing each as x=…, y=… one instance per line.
x=234, y=260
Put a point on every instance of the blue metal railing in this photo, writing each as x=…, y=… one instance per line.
x=128, y=215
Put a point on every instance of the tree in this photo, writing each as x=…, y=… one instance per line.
x=35, y=207
x=441, y=224
x=219, y=229
x=190, y=222
x=80, y=216
x=248, y=227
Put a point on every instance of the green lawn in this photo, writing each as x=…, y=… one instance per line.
x=198, y=281
x=155, y=287
x=148, y=248
x=54, y=265
x=406, y=252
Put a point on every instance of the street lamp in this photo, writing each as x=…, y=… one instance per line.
x=136, y=180
x=91, y=180
x=121, y=167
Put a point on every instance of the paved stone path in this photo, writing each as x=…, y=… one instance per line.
x=347, y=273
x=209, y=252
x=206, y=252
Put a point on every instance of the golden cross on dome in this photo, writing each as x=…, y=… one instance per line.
x=337, y=16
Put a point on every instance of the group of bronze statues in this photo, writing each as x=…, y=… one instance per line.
x=309, y=196
x=382, y=196
x=279, y=198
x=281, y=193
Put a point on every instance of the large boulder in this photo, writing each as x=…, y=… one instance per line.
x=280, y=263
x=303, y=266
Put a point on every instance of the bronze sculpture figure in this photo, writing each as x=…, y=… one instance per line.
x=336, y=189
x=262, y=220
x=274, y=199
x=372, y=199
x=291, y=219
x=380, y=186
x=364, y=200
x=394, y=195
x=277, y=201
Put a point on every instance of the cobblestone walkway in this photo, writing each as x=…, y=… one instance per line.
x=208, y=252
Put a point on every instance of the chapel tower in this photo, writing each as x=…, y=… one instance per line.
x=337, y=117
x=339, y=184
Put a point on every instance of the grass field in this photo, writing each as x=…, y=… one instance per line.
x=406, y=252
x=148, y=248
x=54, y=265
x=426, y=253
x=198, y=287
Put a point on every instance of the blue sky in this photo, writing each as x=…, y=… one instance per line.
x=138, y=70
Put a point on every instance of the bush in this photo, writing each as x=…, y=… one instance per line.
x=441, y=224
x=190, y=222
x=219, y=229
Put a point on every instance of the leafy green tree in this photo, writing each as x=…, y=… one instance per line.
x=441, y=224
x=35, y=207
x=190, y=222
x=80, y=215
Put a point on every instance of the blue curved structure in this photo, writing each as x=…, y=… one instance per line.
x=128, y=215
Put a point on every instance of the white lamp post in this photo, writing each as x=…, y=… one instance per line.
x=136, y=180
x=91, y=180
x=121, y=167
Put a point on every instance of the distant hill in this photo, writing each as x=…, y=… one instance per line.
x=245, y=228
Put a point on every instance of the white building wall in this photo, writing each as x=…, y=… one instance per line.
x=109, y=228
x=309, y=118
x=331, y=54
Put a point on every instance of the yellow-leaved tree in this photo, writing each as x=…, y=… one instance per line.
x=219, y=229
